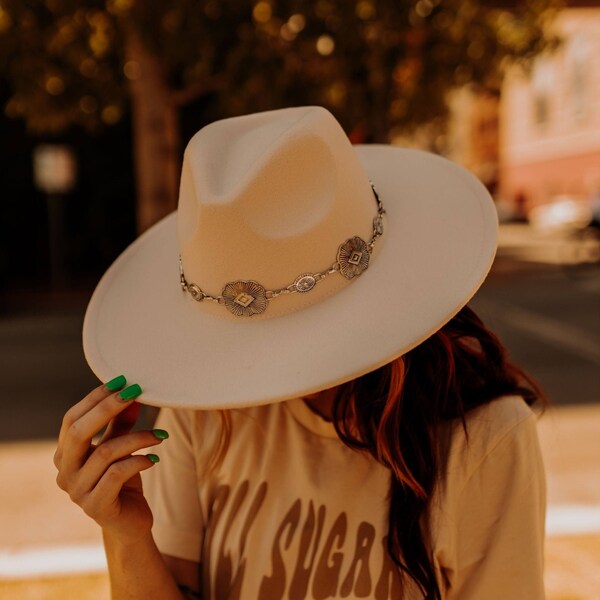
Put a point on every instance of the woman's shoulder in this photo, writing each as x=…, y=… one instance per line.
x=488, y=513
x=503, y=425
x=494, y=419
x=205, y=426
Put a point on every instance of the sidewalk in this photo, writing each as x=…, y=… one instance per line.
x=51, y=551
x=570, y=441
x=526, y=244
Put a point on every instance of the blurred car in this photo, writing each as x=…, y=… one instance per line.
x=563, y=213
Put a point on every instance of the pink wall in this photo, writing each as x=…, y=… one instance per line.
x=550, y=118
x=575, y=175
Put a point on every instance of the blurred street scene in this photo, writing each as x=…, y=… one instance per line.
x=90, y=154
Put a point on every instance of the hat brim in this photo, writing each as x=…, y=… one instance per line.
x=438, y=245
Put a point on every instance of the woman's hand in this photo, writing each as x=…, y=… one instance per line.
x=104, y=479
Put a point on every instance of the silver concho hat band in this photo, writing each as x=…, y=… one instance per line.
x=245, y=298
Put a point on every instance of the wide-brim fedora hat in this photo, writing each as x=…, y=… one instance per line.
x=294, y=262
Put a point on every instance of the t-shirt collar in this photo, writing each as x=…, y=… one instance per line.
x=305, y=416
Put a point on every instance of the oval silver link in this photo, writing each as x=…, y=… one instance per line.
x=196, y=293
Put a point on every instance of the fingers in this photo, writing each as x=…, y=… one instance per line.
x=107, y=453
x=77, y=437
x=104, y=498
x=78, y=410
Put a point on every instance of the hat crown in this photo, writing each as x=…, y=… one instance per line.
x=267, y=197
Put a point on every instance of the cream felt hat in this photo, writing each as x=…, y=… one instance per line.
x=294, y=262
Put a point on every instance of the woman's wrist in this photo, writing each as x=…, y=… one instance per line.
x=127, y=543
x=137, y=568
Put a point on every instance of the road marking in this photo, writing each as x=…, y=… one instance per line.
x=52, y=561
x=567, y=337
x=572, y=519
x=562, y=519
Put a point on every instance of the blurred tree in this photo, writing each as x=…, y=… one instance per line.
x=378, y=65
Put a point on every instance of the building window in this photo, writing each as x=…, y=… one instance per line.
x=542, y=84
x=578, y=57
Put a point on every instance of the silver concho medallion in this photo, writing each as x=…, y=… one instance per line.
x=353, y=257
x=245, y=298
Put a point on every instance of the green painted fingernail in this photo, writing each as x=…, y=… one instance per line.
x=161, y=434
x=131, y=392
x=117, y=383
x=153, y=458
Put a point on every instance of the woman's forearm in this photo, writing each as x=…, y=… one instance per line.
x=138, y=571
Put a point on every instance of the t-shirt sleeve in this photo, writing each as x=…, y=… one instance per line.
x=171, y=488
x=500, y=523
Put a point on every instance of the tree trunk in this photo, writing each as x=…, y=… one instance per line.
x=156, y=136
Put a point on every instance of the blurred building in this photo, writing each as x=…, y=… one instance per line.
x=549, y=136
x=472, y=137
x=539, y=139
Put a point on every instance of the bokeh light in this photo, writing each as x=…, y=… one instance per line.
x=132, y=70
x=325, y=45
x=55, y=85
x=262, y=11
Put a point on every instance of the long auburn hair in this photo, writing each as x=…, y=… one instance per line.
x=396, y=413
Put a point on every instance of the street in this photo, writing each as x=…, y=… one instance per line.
x=550, y=323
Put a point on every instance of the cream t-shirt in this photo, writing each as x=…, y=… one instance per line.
x=292, y=513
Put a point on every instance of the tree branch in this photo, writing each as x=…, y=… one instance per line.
x=196, y=90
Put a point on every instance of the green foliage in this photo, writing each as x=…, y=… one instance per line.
x=377, y=64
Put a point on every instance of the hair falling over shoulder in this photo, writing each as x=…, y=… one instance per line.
x=396, y=413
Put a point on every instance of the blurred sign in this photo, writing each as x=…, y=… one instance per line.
x=54, y=168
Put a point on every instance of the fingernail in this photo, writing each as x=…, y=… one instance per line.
x=116, y=384
x=161, y=434
x=131, y=392
x=153, y=458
